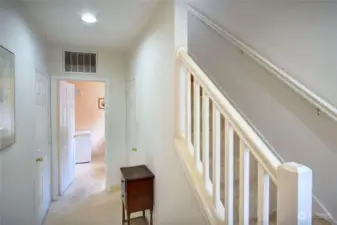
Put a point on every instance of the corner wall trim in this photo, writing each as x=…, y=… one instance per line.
x=320, y=103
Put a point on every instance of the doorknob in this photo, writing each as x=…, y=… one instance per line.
x=40, y=159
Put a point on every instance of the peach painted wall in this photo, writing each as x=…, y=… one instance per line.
x=87, y=114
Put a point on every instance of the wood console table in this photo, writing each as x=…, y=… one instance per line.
x=137, y=191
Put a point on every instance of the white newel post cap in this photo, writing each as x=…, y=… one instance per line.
x=294, y=194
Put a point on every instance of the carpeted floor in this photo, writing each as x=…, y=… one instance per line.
x=86, y=202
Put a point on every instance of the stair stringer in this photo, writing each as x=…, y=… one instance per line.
x=196, y=182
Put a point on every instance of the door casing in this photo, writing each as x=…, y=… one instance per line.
x=55, y=126
x=42, y=144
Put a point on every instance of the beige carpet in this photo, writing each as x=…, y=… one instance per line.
x=86, y=202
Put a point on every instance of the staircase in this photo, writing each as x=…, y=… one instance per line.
x=236, y=176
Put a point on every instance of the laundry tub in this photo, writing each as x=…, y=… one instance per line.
x=82, y=140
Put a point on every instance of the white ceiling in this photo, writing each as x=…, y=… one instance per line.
x=119, y=21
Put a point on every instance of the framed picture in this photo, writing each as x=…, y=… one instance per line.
x=7, y=98
x=101, y=103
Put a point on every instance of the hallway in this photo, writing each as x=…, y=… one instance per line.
x=86, y=202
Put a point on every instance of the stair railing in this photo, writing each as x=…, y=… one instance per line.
x=207, y=123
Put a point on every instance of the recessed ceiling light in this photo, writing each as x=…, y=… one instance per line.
x=89, y=18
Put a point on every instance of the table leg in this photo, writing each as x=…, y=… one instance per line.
x=129, y=222
x=123, y=214
x=144, y=213
x=151, y=221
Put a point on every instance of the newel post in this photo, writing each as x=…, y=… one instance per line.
x=181, y=129
x=294, y=194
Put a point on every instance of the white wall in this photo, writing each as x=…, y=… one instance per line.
x=152, y=68
x=88, y=116
x=298, y=36
x=289, y=123
x=17, y=162
x=113, y=67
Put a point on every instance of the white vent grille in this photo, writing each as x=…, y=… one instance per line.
x=79, y=62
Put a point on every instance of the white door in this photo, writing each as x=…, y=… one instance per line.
x=42, y=141
x=66, y=135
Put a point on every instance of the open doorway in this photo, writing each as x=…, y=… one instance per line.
x=82, y=149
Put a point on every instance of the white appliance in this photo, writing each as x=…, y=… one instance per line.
x=82, y=146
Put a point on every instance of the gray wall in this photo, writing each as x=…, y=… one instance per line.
x=289, y=123
x=298, y=36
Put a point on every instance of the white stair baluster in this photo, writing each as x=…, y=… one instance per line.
x=216, y=159
x=263, y=197
x=188, y=110
x=196, y=132
x=181, y=101
x=205, y=141
x=229, y=174
x=244, y=184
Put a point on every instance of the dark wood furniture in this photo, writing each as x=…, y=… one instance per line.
x=137, y=191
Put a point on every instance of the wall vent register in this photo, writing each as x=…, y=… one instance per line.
x=80, y=62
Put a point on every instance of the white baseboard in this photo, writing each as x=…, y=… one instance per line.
x=326, y=216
